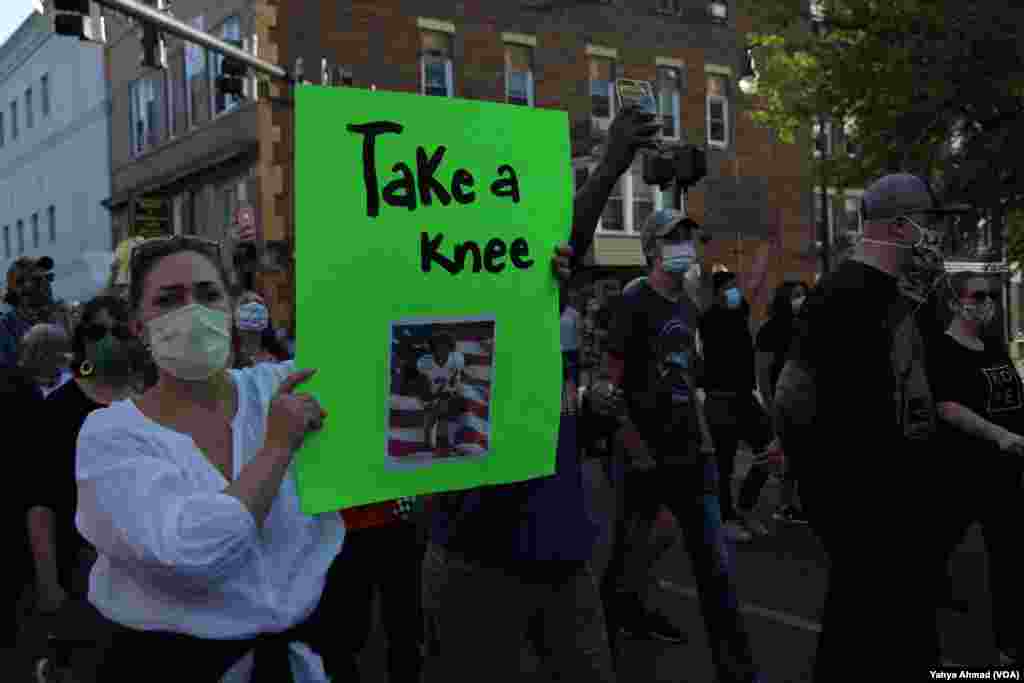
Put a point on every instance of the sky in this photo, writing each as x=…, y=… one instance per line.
x=12, y=13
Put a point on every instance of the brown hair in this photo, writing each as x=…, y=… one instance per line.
x=147, y=255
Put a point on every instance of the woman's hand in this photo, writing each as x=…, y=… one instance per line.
x=561, y=262
x=293, y=416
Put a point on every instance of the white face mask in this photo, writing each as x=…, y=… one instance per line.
x=191, y=343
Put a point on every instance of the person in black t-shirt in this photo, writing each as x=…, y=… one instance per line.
x=980, y=401
x=106, y=361
x=854, y=392
x=652, y=358
x=733, y=411
x=772, y=343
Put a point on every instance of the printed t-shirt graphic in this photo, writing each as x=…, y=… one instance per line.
x=442, y=376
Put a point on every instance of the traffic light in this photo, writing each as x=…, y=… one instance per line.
x=231, y=80
x=154, y=49
x=78, y=19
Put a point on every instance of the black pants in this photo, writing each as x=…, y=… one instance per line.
x=730, y=419
x=880, y=604
x=387, y=559
x=989, y=491
x=690, y=493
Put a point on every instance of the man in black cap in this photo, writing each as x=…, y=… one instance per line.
x=855, y=394
x=652, y=359
x=30, y=294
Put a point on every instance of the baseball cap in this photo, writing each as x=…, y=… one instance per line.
x=899, y=194
x=661, y=222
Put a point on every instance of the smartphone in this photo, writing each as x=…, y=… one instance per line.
x=636, y=93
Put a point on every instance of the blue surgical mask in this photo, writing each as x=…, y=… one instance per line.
x=733, y=298
x=678, y=258
x=679, y=359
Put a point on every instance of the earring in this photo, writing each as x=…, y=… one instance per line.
x=86, y=369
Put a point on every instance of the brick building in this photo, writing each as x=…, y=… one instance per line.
x=209, y=156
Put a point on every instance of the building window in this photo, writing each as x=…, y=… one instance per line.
x=669, y=87
x=602, y=85
x=230, y=31
x=14, y=120
x=822, y=133
x=644, y=197
x=35, y=230
x=7, y=241
x=44, y=95
x=436, y=64
x=718, y=111
x=519, y=74
x=196, y=98
x=29, y=113
x=145, y=114
x=21, y=237
x=51, y=221
x=3, y=129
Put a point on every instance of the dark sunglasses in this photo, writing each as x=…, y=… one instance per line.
x=980, y=297
x=95, y=331
x=48, y=277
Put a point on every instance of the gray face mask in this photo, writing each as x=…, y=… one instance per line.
x=678, y=258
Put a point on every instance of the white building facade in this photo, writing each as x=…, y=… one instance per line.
x=54, y=155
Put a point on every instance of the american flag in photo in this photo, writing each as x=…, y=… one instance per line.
x=406, y=434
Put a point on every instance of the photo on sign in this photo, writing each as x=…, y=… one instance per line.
x=441, y=374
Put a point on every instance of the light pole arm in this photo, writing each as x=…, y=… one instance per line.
x=175, y=27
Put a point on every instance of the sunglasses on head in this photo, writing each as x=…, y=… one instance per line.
x=160, y=246
x=95, y=331
x=980, y=297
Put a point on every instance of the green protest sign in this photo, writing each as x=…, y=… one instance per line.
x=425, y=228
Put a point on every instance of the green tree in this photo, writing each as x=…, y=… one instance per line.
x=931, y=86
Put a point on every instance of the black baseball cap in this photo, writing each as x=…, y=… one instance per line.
x=901, y=194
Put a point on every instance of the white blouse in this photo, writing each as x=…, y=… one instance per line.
x=176, y=553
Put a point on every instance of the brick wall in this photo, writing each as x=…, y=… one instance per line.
x=379, y=41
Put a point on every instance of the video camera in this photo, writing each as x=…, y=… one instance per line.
x=668, y=164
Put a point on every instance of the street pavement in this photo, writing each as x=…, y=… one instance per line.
x=781, y=582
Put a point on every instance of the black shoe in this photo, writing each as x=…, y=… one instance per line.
x=651, y=624
x=790, y=515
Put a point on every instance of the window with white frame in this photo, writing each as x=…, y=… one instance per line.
x=196, y=99
x=822, y=133
x=30, y=117
x=14, y=120
x=51, y=221
x=35, y=230
x=602, y=88
x=44, y=95
x=21, y=237
x=436, y=76
x=145, y=114
x=7, y=241
x=230, y=31
x=718, y=110
x=519, y=74
x=669, y=84
x=631, y=202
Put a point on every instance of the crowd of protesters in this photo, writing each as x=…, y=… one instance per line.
x=157, y=527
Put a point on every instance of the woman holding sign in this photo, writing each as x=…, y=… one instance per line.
x=187, y=497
